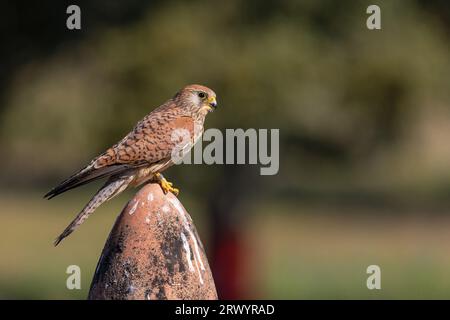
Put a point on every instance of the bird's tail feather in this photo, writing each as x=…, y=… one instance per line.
x=112, y=187
x=86, y=175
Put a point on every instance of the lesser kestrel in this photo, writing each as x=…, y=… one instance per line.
x=143, y=153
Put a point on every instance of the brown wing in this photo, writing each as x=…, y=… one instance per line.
x=151, y=141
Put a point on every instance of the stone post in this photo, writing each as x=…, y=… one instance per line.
x=153, y=252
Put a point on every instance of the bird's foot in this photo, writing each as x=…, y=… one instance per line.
x=166, y=186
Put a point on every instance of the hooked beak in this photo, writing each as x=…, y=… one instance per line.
x=212, y=103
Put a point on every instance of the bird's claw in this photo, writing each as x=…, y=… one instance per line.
x=167, y=186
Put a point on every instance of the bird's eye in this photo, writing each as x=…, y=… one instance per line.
x=202, y=95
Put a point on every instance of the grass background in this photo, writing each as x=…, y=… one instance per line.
x=294, y=252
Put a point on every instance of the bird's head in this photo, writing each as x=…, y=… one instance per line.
x=198, y=99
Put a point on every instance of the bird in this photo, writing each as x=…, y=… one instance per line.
x=146, y=151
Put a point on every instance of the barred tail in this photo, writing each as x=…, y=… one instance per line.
x=112, y=187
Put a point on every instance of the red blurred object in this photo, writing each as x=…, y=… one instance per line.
x=227, y=264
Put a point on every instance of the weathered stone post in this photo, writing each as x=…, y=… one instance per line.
x=153, y=252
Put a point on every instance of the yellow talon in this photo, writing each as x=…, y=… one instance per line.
x=166, y=186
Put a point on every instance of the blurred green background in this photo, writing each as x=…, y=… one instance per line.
x=364, y=119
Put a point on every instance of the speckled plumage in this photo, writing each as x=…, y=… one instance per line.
x=144, y=152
